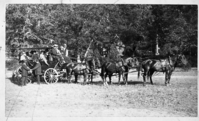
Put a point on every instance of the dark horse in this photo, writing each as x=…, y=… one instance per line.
x=76, y=69
x=108, y=68
x=87, y=69
x=130, y=63
x=166, y=66
x=121, y=68
x=92, y=64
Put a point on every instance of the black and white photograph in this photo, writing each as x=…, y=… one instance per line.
x=100, y=60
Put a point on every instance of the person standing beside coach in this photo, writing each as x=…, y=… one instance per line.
x=37, y=70
x=24, y=73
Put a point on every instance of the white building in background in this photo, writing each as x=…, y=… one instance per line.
x=157, y=46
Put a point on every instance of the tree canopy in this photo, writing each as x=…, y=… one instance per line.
x=137, y=26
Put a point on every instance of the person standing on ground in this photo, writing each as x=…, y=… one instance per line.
x=25, y=70
x=37, y=70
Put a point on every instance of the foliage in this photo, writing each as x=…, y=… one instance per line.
x=137, y=26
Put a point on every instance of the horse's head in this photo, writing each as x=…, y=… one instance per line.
x=182, y=59
x=178, y=60
x=132, y=62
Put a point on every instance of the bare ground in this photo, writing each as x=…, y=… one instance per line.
x=134, y=100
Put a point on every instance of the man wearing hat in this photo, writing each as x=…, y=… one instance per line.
x=57, y=54
x=37, y=69
x=24, y=73
x=24, y=57
x=35, y=55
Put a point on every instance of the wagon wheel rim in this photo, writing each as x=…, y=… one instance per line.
x=51, y=76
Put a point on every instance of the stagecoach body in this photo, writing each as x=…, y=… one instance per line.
x=50, y=74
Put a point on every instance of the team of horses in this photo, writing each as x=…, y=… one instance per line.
x=146, y=68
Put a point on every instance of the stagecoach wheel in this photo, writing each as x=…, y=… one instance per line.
x=51, y=76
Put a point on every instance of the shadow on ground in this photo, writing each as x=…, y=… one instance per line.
x=17, y=81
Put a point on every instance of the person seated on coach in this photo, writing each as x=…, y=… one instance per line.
x=24, y=73
x=35, y=55
x=43, y=58
x=57, y=54
x=24, y=57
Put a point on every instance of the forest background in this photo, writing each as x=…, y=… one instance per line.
x=137, y=26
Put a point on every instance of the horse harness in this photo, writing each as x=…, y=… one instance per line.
x=164, y=63
x=117, y=65
x=72, y=64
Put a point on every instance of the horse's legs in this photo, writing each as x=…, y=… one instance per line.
x=69, y=75
x=76, y=77
x=85, y=76
x=105, y=81
x=119, y=76
x=150, y=75
x=110, y=75
x=91, y=76
x=103, y=75
x=126, y=78
x=144, y=77
x=169, y=77
x=69, y=78
x=166, y=77
x=125, y=75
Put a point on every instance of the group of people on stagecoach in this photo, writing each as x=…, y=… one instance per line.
x=42, y=56
x=36, y=57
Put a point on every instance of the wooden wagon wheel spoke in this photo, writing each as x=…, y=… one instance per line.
x=53, y=79
x=48, y=72
x=51, y=76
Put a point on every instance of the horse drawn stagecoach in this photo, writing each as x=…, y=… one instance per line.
x=51, y=69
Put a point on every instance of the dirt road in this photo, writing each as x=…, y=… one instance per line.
x=66, y=100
